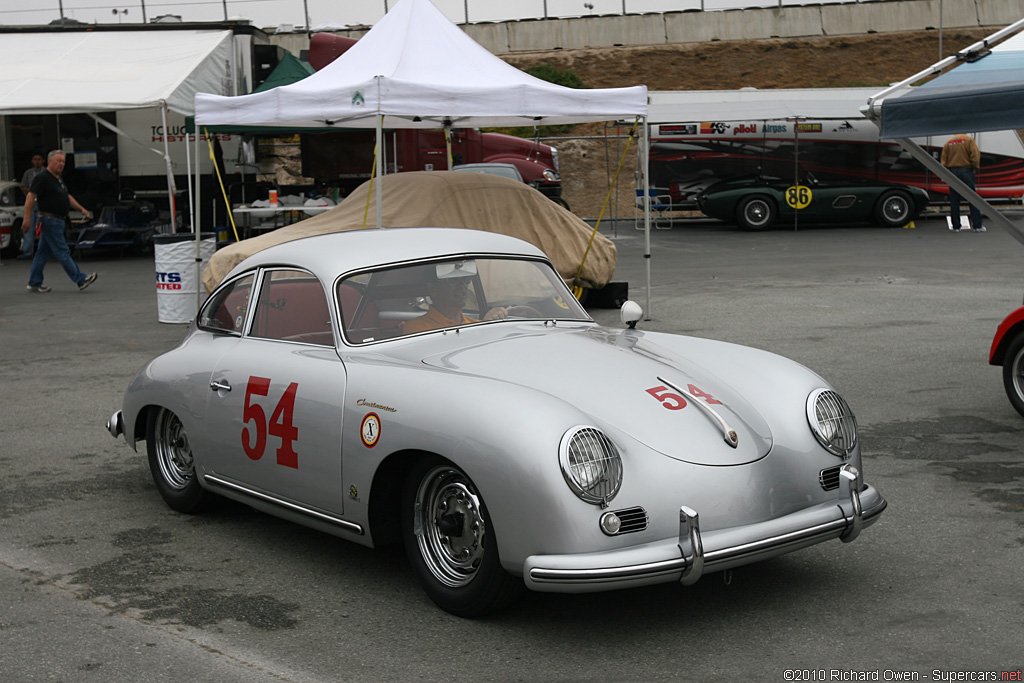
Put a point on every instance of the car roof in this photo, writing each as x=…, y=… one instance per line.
x=332, y=254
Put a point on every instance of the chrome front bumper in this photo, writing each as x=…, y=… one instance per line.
x=693, y=554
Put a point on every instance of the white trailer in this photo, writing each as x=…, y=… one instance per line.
x=701, y=137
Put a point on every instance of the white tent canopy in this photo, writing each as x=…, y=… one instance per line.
x=419, y=70
x=66, y=72
x=751, y=104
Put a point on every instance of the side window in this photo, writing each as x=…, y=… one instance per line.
x=226, y=309
x=292, y=306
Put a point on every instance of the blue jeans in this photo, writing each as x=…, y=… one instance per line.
x=967, y=176
x=28, y=236
x=52, y=243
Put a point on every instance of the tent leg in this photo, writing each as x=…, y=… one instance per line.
x=197, y=225
x=972, y=197
x=192, y=214
x=380, y=170
x=646, y=147
x=170, y=170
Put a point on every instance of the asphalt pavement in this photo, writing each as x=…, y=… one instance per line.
x=100, y=581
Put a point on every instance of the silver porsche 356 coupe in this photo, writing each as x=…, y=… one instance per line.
x=443, y=388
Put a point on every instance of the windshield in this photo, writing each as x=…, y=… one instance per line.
x=425, y=297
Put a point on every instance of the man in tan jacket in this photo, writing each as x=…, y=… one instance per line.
x=962, y=157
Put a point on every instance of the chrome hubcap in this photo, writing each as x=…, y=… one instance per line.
x=173, y=453
x=450, y=529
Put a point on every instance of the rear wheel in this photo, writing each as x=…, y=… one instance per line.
x=450, y=542
x=893, y=209
x=1013, y=373
x=756, y=212
x=170, y=462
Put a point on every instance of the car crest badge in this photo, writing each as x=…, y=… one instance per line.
x=370, y=430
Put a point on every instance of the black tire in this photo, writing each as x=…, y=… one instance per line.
x=756, y=212
x=561, y=202
x=170, y=462
x=17, y=237
x=1013, y=373
x=894, y=209
x=455, y=557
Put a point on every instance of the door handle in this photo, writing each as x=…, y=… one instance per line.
x=220, y=386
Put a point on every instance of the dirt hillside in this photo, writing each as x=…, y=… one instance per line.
x=843, y=61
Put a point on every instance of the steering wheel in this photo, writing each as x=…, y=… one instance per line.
x=523, y=312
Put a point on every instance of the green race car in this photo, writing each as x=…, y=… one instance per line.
x=758, y=202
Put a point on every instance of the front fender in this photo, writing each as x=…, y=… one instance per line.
x=1007, y=330
x=504, y=436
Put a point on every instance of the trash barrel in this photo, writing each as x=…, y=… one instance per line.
x=176, y=278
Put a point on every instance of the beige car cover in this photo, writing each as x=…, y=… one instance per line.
x=450, y=199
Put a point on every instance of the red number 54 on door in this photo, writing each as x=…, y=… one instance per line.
x=281, y=423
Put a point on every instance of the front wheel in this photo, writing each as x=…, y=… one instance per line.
x=17, y=237
x=756, y=212
x=170, y=462
x=450, y=541
x=1013, y=373
x=894, y=209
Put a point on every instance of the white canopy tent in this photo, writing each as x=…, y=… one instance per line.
x=984, y=92
x=751, y=104
x=66, y=72
x=416, y=69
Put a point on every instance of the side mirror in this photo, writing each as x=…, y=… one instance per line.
x=630, y=313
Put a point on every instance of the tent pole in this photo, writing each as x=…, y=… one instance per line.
x=448, y=141
x=380, y=167
x=972, y=197
x=170, y=169
x=197, y=224
x=191, y=212
x=646, y=147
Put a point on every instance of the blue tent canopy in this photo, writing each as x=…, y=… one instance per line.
x=985, y=92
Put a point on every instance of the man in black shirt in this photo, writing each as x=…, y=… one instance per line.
x=54, y=204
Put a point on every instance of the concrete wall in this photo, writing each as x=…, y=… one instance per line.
x=828, y=19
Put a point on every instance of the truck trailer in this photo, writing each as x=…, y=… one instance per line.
x=699, y=138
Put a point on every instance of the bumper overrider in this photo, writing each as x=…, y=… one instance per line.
x=693, y=554
x=115, y=425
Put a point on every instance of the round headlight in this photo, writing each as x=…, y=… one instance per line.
x=590, y=464
x=832, y=422
x=550, y=175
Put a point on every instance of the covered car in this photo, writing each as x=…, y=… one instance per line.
x=477, y=201
x=442, y=388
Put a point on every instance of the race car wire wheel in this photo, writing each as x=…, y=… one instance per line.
x=173, y=453
x=756, y=212
x=449, y=526
x=896, y=208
